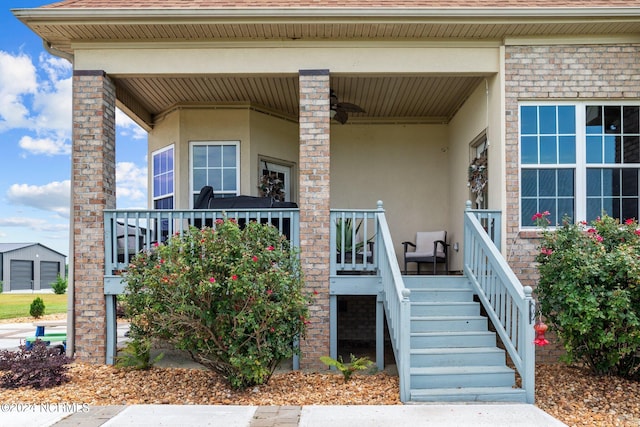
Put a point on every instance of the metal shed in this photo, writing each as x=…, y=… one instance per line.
x=29, y=266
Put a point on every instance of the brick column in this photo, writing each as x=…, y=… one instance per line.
x=314, y=210
x=93, y=187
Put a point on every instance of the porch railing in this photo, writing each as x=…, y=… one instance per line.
x=353, y=236
x=396, y=299
x=509, y=306
x=128, y=232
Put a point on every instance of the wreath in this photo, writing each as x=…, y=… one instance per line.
x=272, y=186
x=478, y=175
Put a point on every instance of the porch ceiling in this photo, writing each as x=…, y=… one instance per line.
x=384, y=98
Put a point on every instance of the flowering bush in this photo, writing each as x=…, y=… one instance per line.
x=231, y=297
x=589, y=290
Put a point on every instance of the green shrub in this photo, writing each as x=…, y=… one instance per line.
x=589, y=290
x=59, y=286
x=137, y=355
x=37, y=308
x=231, y=297
x=347, y=369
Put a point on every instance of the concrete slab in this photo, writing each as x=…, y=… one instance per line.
x=494, y=415
x=32, y=415
x=183, y=415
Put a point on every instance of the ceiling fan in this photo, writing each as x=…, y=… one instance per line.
x=339, y=110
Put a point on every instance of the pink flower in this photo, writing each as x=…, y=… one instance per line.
x=156, y=244
x=536, y=216
x=599, y=238
x=219, y=221
x=234, y=277
x=629, y=221
x=270, y=248
x=637, y=232
x=546, y=251
x=212, y=279
x=254, y=258
x=269, y=291
x=272, y=329
x=592, y=230
x=315, y=292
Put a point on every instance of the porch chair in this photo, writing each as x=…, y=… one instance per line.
x=430, y=247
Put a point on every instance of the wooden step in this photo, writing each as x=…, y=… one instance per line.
x=453, y=308
x=461, y=377
x=448, y=323
x=467, y=356
x=469, y=394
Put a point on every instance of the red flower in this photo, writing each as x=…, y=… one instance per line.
x=637, y=232
x=254, y=258
x=212, y=279
x=272, y=329
x=592, y=230
x=315, y=292
x=270, y=248
x=269, y=291
x=219, y=221
x=234, y=277
x=156, y=244
x=546, y=251
x=629, y=221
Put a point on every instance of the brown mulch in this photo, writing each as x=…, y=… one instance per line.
x=570, y=394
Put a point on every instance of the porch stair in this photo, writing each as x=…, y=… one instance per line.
x=453, y=354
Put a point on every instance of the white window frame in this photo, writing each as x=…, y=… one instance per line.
x=193, y=191
x=153, y=175
x=580, y=167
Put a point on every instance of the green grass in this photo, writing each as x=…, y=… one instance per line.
x=17, y=305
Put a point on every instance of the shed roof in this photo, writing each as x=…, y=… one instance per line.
x=10, y=247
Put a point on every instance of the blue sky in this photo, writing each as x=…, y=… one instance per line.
x=35, y=136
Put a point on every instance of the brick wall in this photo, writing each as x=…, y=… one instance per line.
x=564, y=72
x=314, y=210
x=94, y=186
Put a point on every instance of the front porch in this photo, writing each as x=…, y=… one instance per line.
x=443, y=348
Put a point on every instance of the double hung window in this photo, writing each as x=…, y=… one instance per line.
x=216, y=164
x=579, y=160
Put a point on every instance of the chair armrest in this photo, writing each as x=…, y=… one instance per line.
x=407, y=244
x=444, y=244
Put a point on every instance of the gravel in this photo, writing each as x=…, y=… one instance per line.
x=569, y=393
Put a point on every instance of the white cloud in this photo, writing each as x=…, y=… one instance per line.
x=46, y=146
x=53, y=197
x=17, y=81
x=128, y=127
x=36, y=224
x=131, y=181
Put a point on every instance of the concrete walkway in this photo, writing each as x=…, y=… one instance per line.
x=492, y=415
x=433, y=415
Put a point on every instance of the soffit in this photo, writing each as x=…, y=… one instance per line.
x=384, y=98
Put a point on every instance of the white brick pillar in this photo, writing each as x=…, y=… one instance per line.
x=314, y=209
x=93, y=187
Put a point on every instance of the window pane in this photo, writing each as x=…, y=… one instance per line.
x=594, y=182
x=631, y=149
x=529, y=149
x=567, y=119
x=610, y=179
x=630, y=182
x=611, y=149
x=215, y=179
x=529, y=183
x=156, y=186
x=229, y=179
x=199, y=156
x=610, y=207
x=566, y=209
x=528, y=120
x=631, y=119
x=547, y=182
x=612, y=119
x=629, y=209
x=594, y=149
x=529, y=208
x=594, y=119
x=548, y=150
x=565, y=182
x=229, y=156
x=594, y=209
x=548, y=120
x=156, y=164
x=170, y=182
x=199, y=179
x=567, y=149
x=549, y=205
x=214, y=156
